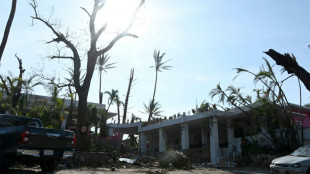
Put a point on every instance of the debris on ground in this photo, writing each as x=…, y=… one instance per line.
x=174, y=159
x=127, y=160
x=157, y=171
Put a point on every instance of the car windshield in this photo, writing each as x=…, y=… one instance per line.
x=302, y=151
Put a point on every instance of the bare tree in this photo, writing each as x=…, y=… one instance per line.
x=82, y=87
x=8, y=28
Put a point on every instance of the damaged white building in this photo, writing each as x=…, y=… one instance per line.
x=213, y=134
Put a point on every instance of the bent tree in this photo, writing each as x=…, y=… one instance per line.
x=82, y=82
x=271, y=111
x=8, y=28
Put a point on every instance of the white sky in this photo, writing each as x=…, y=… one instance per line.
x=206, y=40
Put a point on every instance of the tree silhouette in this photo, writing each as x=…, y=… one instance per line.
x=82, y=83
x=8, y=28
x=290, y=64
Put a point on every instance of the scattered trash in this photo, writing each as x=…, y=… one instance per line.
x=157, y=171
x=127, y=160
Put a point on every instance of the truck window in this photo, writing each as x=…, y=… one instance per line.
x=33, y=124
x=8, y=122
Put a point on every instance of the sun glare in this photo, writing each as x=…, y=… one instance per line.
x=118, y=14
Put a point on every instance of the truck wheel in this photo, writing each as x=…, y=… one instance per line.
x=3, y=166
x=48, y=165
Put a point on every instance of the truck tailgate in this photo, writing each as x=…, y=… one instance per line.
x=49, y=138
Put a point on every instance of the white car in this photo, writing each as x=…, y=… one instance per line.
x=297, y=162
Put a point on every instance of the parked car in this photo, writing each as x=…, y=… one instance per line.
x=24, y=140
x=297, y=162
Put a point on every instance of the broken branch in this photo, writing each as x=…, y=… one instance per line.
x=62, y=57
x=124, y=33
x=85, y=11
x=291, y=66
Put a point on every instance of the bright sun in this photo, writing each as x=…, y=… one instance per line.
x=118, y=14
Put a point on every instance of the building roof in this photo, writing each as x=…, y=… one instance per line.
x=137, y=127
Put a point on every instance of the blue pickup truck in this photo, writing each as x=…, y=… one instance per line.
x=24, y=140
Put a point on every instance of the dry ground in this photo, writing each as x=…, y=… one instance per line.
x=196, y=170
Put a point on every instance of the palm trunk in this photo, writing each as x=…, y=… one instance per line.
x=153, y=99
x=100, y=102
x=155, y=86
x=100, y=94
x=118, y=113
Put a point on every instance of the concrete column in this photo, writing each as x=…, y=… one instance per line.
x=214, y=140
x=162, y=140
x=142, y=140
x=203, y=137
x=184, y=136
x=110, y=132
x=230, y=135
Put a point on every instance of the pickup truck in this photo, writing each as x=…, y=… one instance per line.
x=24, y=140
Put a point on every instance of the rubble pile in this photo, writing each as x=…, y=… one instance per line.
x=174, y=160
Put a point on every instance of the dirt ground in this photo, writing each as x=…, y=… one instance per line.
x=196, y=170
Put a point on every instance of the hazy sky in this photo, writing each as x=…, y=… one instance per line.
x=205, y=39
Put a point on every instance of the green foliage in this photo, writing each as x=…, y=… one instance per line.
x=112, y=97
x=159, y=65
x=103, y=64
x=91, y=114
x=205, y=106
x=274, y=111
x=153, y=108
x=251, y=147
x=51, y=115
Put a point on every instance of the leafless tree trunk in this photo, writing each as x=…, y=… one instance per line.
x=82, y=88
x=17, y=94
x=8, y=28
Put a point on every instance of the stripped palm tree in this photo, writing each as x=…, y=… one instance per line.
x=159, y=66
x=131, y=79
